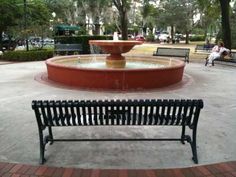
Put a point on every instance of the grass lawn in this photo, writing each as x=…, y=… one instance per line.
x=149, y=48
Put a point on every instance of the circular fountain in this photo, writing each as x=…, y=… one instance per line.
x=114, y=71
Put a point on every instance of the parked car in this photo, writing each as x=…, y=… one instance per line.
x=130, y=36
x=47, y=41
x=164, y=37
x=139, y=38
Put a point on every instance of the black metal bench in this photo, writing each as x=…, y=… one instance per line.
x=67, y=48
x=173, y=52
x=231, y=59
x=117, y=113
x=204, y=48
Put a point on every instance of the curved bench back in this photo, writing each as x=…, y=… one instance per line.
x=117, y=112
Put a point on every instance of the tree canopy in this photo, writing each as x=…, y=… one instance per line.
x=141, y=16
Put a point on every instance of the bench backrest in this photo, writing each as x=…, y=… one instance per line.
x=233, y=55
x=68, y=46
x=116, y=112
x=173, y=51
x=204, y=47
x=199, y=47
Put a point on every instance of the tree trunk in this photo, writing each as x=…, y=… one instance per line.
x=172, y=34
x=144, y=30
x=124, y=25
x=97, y=29
x=122, y=7
x=225, y=23
x=1, y=42
x=187, y=37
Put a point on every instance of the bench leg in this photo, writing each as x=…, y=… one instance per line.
x=194, y=146
x=183, y=135
x=206, y=61
x=50, y=135
x=42, y=147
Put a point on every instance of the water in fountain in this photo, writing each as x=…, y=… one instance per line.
x=94, y=50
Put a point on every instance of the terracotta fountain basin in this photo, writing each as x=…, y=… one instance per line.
x=67, y=70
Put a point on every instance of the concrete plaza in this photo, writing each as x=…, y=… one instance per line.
x=216, y=140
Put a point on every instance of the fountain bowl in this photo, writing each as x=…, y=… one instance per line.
x=66, y=70
x=115, y=48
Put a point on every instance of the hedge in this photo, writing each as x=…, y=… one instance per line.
x=197, y=38
x=84, y=40
x=32, y=55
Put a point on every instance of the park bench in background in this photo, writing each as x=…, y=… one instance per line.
x=204, y=47
x=67, y=48
x=173, y=52
x=181, y=113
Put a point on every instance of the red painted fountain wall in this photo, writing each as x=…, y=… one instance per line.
x=118, y=79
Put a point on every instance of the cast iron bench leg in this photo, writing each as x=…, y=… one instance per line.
x=206, y=61
x=42, y=147
x=50, y=135
x=183, y=135
x=193, y=146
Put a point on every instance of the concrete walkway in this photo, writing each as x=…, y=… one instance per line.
x=216, y=131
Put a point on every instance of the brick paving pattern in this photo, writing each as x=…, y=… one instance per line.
x=226, y=169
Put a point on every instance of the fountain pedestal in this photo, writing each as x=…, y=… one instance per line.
x=115, y=49
x=115, y=61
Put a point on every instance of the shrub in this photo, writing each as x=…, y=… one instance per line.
x=150, y=37
x=32, y=55
x=197, y=38
x=84, y=40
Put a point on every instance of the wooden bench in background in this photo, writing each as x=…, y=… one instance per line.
x=129, y=113
x=173, y=52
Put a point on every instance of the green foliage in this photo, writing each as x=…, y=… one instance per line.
x=150, y=37
x=84, y=40
x=149, y=15
x=61, y=8
x=33, y=55
x=197, y=38
x=233, y=26
x=110, y=28
x=10, y=13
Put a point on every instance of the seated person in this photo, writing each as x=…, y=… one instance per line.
x=218, y=51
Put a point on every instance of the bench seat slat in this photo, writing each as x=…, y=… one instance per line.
x=179, y=114
x=49, y=113
x=78, y=116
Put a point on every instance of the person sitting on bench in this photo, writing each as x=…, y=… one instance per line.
x=218, y=51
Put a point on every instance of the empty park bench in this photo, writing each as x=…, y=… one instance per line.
x=130, y=113
x=173, y=52
x=67, y=48
x=204, y=48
